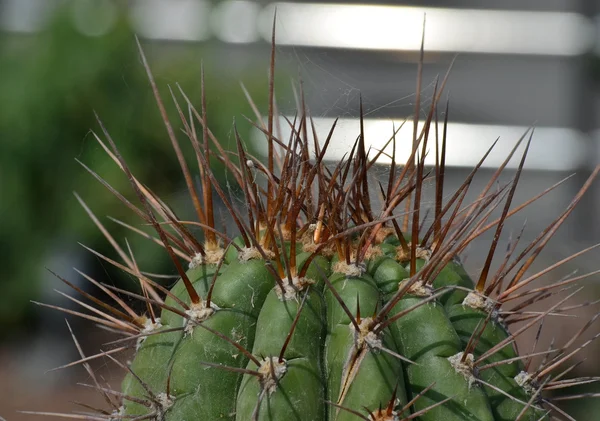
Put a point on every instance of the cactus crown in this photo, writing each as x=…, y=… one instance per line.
x=328, y=306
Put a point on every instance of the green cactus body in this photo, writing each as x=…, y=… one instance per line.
x=322, y=362
x=292, y=396
x=239, y=292
x=326, y=308
x=500, y=376
x=359, y=376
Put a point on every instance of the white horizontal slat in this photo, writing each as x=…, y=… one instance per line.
x=452, y=30
x=182, y=20
x=552, y=148
x=25, y=15
x=336, y=25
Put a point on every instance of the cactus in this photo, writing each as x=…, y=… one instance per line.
x=326, y=306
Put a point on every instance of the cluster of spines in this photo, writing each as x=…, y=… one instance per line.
x=315, y=256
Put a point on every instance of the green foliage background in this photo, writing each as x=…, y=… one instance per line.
x=50, y=84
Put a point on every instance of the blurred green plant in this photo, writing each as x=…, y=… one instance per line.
x=50, y=84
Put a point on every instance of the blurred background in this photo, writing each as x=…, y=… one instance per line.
x=520, y=64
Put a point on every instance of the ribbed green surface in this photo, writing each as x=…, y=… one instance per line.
x=322, y=361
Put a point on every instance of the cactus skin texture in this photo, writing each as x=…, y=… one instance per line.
x=323, y=308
